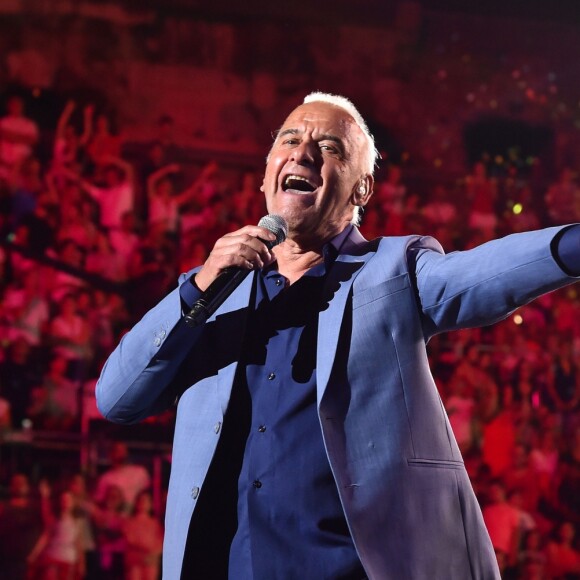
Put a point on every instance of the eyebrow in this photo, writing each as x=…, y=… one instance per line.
x=324, y=137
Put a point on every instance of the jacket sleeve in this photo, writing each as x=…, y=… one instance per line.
x=138, y=378
x=485, y=284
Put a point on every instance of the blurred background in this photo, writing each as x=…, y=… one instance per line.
x=134, y=134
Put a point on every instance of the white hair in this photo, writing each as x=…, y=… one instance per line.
x=371, y=154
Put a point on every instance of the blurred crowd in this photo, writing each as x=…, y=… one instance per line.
x=62, y=531
x=95, y=236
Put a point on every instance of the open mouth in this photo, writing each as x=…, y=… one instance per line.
x=297, y=184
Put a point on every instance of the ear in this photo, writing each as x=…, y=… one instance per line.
x=262, y=187
x=363, y=190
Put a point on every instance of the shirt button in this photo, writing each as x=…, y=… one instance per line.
x=157, y=341
x=217, y=427
x=162, y=334
x=271, y=376
x=194, y=492
x=261, y=428
x=257, y=484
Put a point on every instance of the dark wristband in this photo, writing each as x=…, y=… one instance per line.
x=566, y=250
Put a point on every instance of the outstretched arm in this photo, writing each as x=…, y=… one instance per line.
x=88, y=114
x=483, y=285
x=64, y=118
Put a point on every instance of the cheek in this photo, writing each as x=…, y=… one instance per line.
x=273, y=168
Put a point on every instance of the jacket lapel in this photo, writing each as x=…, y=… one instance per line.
x=355, y=253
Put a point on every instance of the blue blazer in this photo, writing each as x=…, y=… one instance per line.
x=406, y=495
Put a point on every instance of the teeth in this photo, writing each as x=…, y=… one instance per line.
x=298, y=184
x=295, y=177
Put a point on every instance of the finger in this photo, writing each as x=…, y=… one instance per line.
x=240, y=252
x=255, y=231
x=243, y=244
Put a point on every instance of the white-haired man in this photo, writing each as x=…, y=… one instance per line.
x=310, y=441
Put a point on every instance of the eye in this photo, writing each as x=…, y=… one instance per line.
x=330, y=149
x=290, y=141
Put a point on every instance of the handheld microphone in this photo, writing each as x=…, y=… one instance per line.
x=231, y=278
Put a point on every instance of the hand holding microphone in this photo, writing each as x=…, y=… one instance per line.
x=233, y=257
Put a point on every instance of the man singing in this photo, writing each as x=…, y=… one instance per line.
x=310, y=439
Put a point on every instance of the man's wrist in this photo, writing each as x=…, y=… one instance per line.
x=190, y=293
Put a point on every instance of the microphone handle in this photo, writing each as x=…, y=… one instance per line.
x=215, y=296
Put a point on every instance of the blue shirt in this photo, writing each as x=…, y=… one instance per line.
x=290, y=520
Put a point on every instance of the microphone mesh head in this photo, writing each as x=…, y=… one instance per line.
x=277, y=225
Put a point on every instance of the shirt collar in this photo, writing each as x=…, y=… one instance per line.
x=338, y=241
x=330, y=251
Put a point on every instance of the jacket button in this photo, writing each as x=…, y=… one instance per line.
x=261, y=428
x=257, y=484
x=271, y=376
x=194, y=492
x=217, y=427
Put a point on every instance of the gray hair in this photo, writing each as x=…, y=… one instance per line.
x=342, y=102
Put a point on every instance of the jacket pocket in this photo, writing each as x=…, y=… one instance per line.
x=441, y=463
x=362, y=296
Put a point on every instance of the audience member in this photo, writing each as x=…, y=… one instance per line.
x=131, y=479
x=567, y=481
x=25, y=310
x=481, y=194
x=109, y=517
x=19, y=373
x=18, y=136
x=391, y=195
x=499, y=435
x=103, y=144
x=69, y=147
x=70, y=334
x=562, y=198
x=116, y=194
x=439, y=211
x=563, y=384
x=58, y=554
x=544, y=459
x=54, y=404
x=503, y=524
x=21, y=525
x=460, y=408
x=144, y=541
x=83, y=509
x=165, y=206
x=563, y=557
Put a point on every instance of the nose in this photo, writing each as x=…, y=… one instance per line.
x=304, y=153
